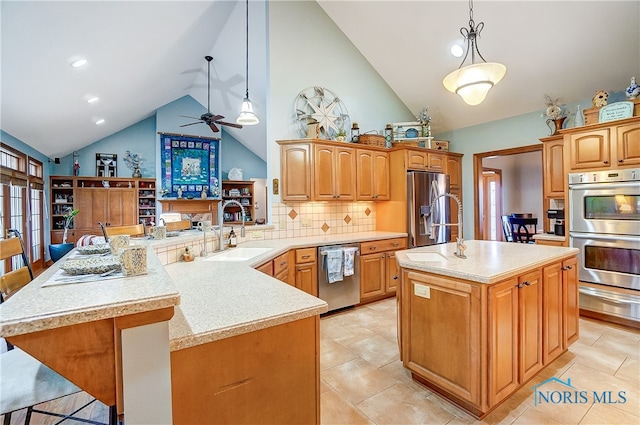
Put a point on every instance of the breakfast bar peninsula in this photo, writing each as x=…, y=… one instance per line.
x=476, y=329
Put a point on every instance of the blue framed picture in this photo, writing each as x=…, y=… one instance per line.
x=191, y=165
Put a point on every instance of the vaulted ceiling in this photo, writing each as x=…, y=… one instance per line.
x=141, y=57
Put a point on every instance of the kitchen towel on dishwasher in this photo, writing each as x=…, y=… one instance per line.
x=349, y=256
x=334, y=265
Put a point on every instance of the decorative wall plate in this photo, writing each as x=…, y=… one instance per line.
x=317, y=105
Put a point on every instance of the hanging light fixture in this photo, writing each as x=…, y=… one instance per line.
x=247, y=117
x=473, y=82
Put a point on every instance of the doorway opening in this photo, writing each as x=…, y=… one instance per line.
x=519, y=189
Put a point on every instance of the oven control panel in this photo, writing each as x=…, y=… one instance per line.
x=625, y=175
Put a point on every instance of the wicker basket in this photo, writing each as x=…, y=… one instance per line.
x=371, y=140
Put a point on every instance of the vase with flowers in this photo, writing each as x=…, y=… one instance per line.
x=134, y=161
x=555, y=113
x=58, y=250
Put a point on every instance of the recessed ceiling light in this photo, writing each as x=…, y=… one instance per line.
x=93, y=99
x=457, y=50
x=100, y=121
x=78, y=63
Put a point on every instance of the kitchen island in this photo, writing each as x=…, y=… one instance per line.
x=477, y=329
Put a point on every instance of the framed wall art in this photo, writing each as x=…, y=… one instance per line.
x=106, y=165
x=189, y=166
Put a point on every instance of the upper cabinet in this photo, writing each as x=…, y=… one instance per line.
x=295, y=170
x=334, y=173
x=553, y=160
x=372, y=181
x=604, y=146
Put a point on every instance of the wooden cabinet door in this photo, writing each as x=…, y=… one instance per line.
x=436, y=162
x=266, y=268
x=503, y=340
x=93, y=205
x=590, y=149
x=307, y=279
x=552, y=295
x=628, y=145
x=570, y=307
x=454, y=170
x=324, y=173
x=372, y=275
x=553, y=159
x=295, y=171
x=121, y=207
x=393, y=273
x=416, y=160
x=530, y=324
x=344, y=174
x=365, y=188
x=381, y=185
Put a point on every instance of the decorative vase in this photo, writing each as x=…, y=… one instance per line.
x=633, y=90
x=557, y=125
x=579, y=117
x=58, y=250
x=136, y=173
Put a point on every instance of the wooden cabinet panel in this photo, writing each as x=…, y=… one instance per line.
x=553, y=159
x=393, y=273
x=590, y=149
x=334, y=168
x=570, y=305
x=454, y=171
x=306, y=270
x=530, y=324
x=503, y=340
x=628, y=144
x=295, y=169
x=430, y=353
x=280, y=263
x=323, y=163
x=345, y=174
x=436, y=162
x=372, y=180
x=552, y=323
x=266, y=268
x=383, y=245
x=122, y=207
x=372, y=275
x=417, y=160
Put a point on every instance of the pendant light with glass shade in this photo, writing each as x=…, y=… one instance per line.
x=247, y=117
x=473, y=82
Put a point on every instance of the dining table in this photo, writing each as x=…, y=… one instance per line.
x=105, y=332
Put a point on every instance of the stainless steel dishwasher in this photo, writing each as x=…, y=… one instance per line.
x=342, y=293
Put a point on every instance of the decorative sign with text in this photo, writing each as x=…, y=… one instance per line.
x=616, y=111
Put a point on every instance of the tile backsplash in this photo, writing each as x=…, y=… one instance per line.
x=298, y=219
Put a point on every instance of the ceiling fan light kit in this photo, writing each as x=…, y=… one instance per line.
x=473, y=82
x=247, y=116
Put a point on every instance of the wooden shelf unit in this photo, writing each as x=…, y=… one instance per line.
x=112, y=201
x=244, y=195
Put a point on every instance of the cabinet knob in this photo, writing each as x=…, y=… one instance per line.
x=520, y=285
x=527, y=283
x=395, y=277
x=621, y=161
x=605, y=161
x=567, y=267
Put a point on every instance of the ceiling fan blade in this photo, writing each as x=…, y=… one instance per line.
x=215, y=118
x=230, y=124
x=185, y=125
x=214, y=127
x=186, y=116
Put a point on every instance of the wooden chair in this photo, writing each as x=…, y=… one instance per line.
x=507, y=229
x=173, y=226
x=12, y=281
x=523, y=228
x=24, y=381
x=133, y=230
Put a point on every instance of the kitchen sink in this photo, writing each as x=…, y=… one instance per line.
x=429, y=257
x=238, y=254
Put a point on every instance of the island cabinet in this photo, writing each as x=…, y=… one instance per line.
x=335, y=173
x=515, y=334
x=372, y=180
x=379, y=270
x=476, y=333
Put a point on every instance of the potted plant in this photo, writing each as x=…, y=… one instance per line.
x=57, y=251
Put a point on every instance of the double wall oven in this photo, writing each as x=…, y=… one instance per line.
x=605, y=226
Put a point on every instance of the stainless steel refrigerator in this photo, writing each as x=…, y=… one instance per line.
x=422, y=188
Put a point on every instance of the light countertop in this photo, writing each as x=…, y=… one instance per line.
x=36, y=308
x=486, y=262
x=548, y=237
x=224, y=299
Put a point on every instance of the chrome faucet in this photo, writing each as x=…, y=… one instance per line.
x=221, y=221
x=460, y=247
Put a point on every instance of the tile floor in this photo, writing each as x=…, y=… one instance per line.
x=363, y=381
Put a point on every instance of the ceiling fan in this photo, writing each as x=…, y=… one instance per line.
x=208, y=118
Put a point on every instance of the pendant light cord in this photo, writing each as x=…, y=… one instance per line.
x=247, y=53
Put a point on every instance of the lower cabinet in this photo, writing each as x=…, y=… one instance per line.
x=379, y=270
x=515, y=334
x=306, y=275
x=281, y=268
